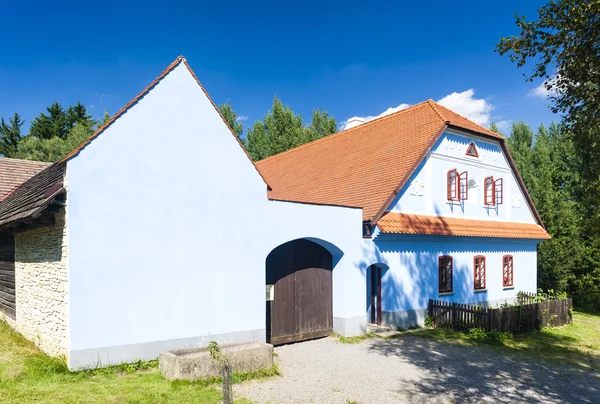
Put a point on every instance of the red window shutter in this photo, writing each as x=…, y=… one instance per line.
x=464, y=186
x=507, y=271
x=479, y=270
x=445, y=274
x=499, y=191
x=452, y=185
x=489, y=191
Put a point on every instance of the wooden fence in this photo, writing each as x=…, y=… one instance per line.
x=527, y=316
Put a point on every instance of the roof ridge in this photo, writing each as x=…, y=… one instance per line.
x=467, y=119
x=29, y=161
x=135, y=99
x=434, y=105
x=345, y=131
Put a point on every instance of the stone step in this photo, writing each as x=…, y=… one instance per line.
x=374, y=328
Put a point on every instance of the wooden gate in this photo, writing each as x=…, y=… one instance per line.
x=302, y=305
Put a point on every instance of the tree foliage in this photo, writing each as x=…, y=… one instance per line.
x=281, y=130
x=232, y=120
x=55, y=148
x=10, y=135
x=58, y=122
x=563, y=44
x=550, y=167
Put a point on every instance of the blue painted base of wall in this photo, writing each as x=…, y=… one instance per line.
x=105, y=356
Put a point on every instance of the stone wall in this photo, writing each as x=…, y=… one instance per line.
x=41, y=286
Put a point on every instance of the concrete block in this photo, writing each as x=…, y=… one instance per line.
x=196, y=363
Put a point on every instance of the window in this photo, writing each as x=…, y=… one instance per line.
x=458, y=185
x=479, y=272
x=472, y=150
x=489, y=191
x=445, y=274
x=507, y=271
x=493, y=193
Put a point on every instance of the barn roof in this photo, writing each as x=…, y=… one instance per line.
x=31, y=198
x=364, y=166
x=14, y=172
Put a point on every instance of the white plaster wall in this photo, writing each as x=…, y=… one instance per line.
x=170, y=228
x=41, y=286
x=426, y=191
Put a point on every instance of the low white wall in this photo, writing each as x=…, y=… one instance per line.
x=41, y=286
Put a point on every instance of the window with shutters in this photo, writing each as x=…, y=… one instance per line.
x=457, y=186
x=445, y=274
x=493, y=192
x=479, y=272
x=507, y=271
x=7, y=274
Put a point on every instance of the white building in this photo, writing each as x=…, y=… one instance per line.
x=127, y=248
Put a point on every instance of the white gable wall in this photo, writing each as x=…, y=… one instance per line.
x=169, y=229
x=426, y=191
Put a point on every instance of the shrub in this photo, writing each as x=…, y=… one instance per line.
x=428, y=321
x=483, y=336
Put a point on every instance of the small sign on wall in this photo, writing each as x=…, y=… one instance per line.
x=270, y=292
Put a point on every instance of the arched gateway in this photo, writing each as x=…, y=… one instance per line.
x=299, y=282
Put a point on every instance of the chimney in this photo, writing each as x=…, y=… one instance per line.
x=354, y=121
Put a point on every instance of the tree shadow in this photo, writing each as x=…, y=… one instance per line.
x=471, y=372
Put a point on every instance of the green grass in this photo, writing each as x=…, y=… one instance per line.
x=28, y=375
x=577, y=343
x=354, y=340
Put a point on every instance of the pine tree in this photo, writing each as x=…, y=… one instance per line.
x=10, y=135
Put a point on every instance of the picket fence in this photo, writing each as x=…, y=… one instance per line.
x=527, y=316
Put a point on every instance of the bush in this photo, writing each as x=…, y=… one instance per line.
x=428, y=321
x=483, y=336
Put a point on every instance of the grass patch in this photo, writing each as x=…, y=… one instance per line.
x=354, y=340
x=577, y=343
x=28, y=375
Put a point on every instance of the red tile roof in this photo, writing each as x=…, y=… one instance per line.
x=365, y=166
x=14, y=172
x=400, y=223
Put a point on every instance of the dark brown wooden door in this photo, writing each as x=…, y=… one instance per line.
x=375, y=295
x=302, y=308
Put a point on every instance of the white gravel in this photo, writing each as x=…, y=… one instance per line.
x=415, y=369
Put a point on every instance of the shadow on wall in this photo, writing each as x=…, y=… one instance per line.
x=478, y=373
x=42, y=244
x=413, y=275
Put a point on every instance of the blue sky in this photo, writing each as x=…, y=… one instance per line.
x=351, y=58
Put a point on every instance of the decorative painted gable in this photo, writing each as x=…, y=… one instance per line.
x=453, y=182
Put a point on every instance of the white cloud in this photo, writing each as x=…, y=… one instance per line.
x=504, y=125
x=541, y=91
x=476, y=109
x=242, y=118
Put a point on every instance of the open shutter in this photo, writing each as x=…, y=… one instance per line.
x=489, y=191
x=464, y=185
x=452, y=185
x=499, y=192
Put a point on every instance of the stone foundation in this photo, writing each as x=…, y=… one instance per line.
x=41, y=286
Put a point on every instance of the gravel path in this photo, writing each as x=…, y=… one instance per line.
x=415, y=369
